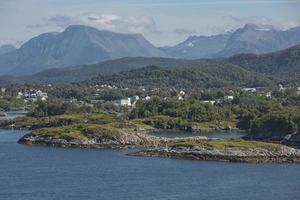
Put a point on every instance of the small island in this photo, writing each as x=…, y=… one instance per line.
x=225, y=150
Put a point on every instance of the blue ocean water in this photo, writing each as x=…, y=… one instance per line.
x=44, y=173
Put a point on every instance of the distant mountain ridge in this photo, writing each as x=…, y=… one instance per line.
x=248, y=39
x=196, y=47
x=48, y=57
x=85, y=72
x=283, y=64
x=75, y=46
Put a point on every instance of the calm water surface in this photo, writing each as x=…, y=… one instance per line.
x=42, y=173
x=13, y=114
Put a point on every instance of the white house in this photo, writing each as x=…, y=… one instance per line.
x=281, y=87
x=210, y=101
x=228, y=97
x=147, y=98
x=249, y=89
x=123, y=102
x=41, y=95
x=19, y=95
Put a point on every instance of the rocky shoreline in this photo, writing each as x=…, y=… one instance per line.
x=134, y=139
x=285, y=155
x=168, y=147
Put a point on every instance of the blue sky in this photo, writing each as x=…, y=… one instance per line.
x=163, y=22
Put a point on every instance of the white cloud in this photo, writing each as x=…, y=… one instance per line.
x=262, y=22
x=62, y=21
x=134, y=24
x=291, y=24
x=115, y=23
x=259, y=21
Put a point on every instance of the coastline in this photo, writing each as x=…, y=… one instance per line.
x=155, y=146
x=110, y=136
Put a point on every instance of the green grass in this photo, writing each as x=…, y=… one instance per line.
x=229, y=144
x=66, y=132
x=81, y=132
x=81, y=126
x=27, y=121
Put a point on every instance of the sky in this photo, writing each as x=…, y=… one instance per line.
x=162, y=22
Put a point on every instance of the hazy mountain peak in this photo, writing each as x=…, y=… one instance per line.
x=78, y=27
x=251, y=38
x=75, y=29
x=76, y=45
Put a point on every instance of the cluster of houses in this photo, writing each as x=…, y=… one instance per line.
x=126, y=102
x=32, y=95
x=261, y=90
x=129, y=102
x=226, y=98
x=105, y=86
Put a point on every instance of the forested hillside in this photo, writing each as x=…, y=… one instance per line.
x=283, y=64
x=203, y=76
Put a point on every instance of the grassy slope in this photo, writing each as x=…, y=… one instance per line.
x=229, y=144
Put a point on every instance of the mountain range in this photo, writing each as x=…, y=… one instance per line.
x=82, y=45
x=75, y=46
x=248, y=39
x=281, y=65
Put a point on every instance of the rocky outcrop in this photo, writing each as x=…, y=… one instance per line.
x=257, y=155
x=124, y=140
x=134, y=139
